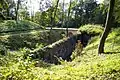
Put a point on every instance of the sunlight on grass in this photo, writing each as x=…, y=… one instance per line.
x=88, y=66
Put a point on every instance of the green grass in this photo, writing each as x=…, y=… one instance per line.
x=25, y=34
x=30, y=39
x=11, y=25
x=88, y=66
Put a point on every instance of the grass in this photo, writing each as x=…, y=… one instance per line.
x=88, y=66
x=30, y=39
x=10, y=25
x=25, y=34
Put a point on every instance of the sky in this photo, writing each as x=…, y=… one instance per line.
x=34, y=7
x=36, y=4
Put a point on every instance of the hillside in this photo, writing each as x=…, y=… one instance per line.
x=25, y=34
x=10, y=26
x=89, y=65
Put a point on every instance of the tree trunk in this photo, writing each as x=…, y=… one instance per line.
x=55, y=13
x=107, y=27
x=63, y=5
x=68, y=16
x=18, y=3
x=8, y=12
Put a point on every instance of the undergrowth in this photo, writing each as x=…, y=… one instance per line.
x=87, y=66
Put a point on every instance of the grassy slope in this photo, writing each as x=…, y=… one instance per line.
x=25, y=35
x=92, y=66
x=89, y=65
x=30, y=39
x=10, y=25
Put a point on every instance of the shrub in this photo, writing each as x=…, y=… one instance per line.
x=91, y=29
x=3, y=49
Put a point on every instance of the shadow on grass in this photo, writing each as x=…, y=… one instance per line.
x=42, y=64
x=111, y=52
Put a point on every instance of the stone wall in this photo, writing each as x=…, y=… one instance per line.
x=62, y=48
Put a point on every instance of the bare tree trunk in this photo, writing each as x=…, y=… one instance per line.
x=107, y=27
x=53, y=23
x=76, y=14
x=51, y=17
x=18, y=3
x=8, y=12
x=63, y=5
x=68, y=16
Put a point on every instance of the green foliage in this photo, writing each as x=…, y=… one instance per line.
x=29, y=40
x=78, y=50
x=3, y=4
x=3, y=49
x=88, y=66
x=46, y=17
x=117, y=11
x=13, y=66
x=87, y=12
x=17, y=40
x=116, y=16
x=37, y=18
x=91, y=29
x=24, y=14
x=10, y=25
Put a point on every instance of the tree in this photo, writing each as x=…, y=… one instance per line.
x=55, y=13
x=3, y=7
x=37, y=17
x=24, y=14
x=10, y=9
x=117, y=11
x=85, y=12
x=44, y=18
x=100, y=14
x=3, y=4
x=107, y=27
x=18, y=4
x=63, y=7
x=116, y=16
x=69, y=9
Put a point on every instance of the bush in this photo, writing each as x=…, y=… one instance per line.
x=3, y=49
x=91, y=29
